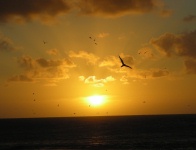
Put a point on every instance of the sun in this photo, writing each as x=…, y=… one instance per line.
x=96, y=100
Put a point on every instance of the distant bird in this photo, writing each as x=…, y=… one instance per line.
x=123, y=64
x=44, y=42
x=93, y=40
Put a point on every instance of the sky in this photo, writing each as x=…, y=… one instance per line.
x=60, y=58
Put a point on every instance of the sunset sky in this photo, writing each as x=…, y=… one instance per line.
x=58, y=56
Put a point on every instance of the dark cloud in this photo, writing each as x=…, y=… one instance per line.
x=26, y=10
x=150, y=73
x=47, y=10
x=26, y=62
x=189, y=18
x=6, y=44
x=180, y=45
x=115, y=7
x=190, y=66
x=54, y=63
x=48, y=63
x=159, y=73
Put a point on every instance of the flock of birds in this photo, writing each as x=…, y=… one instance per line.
x=123, y=64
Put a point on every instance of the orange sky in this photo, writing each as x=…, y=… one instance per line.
x=55, y=57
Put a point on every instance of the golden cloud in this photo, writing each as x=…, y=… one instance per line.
x=41, y=68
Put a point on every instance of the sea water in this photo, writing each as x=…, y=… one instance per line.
x=105, y=132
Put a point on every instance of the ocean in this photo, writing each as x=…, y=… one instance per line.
x=148, y=132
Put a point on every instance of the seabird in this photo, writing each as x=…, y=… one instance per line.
x=123, y=64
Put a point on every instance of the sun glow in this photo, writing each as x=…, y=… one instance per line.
x=96, y=100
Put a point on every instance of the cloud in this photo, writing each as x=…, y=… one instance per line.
x=48, y=63
x=28, y=10
x=90, y=57
x=159, y=73
x=92, y=80
x=103, y=35
x=176, y=44
x=113, y=8
x=189, y=18
x=124, y=80
x=20, y=78
x=6, y=44
x=26, y=62
x=110, y=61
x=190, y=66
x=146, y=74
x=54, y=63
x=109, y=79
x=81, y=78
x=48, y=10
x=52, y=52
x=43, y=69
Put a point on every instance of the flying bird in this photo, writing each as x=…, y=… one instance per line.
x=123, y=64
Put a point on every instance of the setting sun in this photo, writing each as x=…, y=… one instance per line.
x=96, y=100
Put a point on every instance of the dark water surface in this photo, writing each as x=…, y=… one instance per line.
x=119, y=132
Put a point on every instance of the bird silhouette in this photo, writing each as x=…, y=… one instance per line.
x=123, y=64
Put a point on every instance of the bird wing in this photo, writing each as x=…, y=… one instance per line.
x=121, y=60
x=128, y=66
